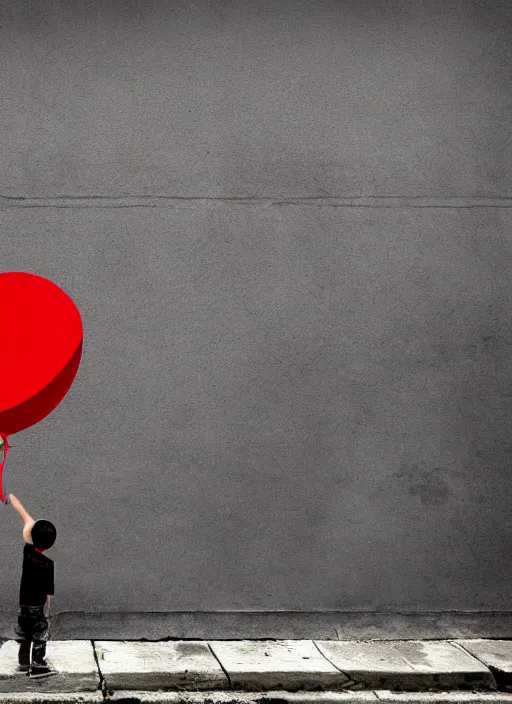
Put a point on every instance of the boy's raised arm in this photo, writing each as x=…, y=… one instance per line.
x=27, y=518
x=16, y=504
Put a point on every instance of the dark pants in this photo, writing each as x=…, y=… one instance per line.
x=33, y=627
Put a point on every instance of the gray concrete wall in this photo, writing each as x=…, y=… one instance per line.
x=287, y=226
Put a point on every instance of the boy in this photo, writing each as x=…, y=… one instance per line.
x=36, y=590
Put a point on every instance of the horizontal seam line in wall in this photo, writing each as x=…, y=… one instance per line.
x=8, y=202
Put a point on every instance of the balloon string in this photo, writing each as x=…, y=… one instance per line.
x=6, y=452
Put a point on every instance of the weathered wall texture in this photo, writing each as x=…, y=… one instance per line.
x=287, y=226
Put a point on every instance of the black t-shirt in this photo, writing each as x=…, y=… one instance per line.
x=36, y=577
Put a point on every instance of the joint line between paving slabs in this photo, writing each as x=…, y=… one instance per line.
x=103, y=686
x=222, y=666
x=350, y=682
x=464, y=650
x=491, y=670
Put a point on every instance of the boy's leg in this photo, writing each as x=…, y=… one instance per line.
x=24, y=651
x=38, y=653
x=23, y=628
x=24, y=655
x=40, y=633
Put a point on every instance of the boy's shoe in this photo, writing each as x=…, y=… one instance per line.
x=39, y=671
x=23, y=668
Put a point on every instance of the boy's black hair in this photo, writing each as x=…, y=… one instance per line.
x=43, y=535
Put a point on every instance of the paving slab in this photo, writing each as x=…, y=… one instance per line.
x=73, y=659
x=240, y=697
x=159, y=666
x=408, y=665
x=286, y=664
x=496, y=654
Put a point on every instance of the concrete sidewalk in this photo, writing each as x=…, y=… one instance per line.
x=288, y=670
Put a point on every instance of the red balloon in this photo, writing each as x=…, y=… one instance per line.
x=40, y=350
